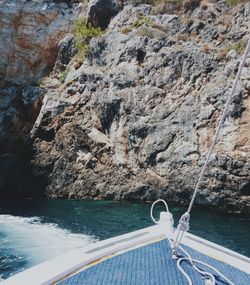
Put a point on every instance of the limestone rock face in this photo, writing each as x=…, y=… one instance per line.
x=136, y=119
x=29, y=34
x=66, y=50
x=32, y=37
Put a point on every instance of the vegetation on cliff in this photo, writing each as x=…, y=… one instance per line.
x=131, y=115
x=84, y=33
x=143, y=105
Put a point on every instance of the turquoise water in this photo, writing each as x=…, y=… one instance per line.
x=33, y=231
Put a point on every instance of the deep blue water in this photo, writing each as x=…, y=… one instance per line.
x=32, y=231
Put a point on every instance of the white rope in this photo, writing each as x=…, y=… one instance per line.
x=183, y=225
x=193, y=261
x=209, y=277
x=202, y=272
x=189, y=280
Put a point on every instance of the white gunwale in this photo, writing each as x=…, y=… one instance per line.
x=58, y=268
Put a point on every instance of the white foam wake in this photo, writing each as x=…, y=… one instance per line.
x=36, y=240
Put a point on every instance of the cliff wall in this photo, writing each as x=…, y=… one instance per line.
x=135, y=119
x=133, y=114
x=30, y=32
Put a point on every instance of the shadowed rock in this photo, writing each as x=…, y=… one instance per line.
x=100, y=12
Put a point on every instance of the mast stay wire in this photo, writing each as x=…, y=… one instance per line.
x=183, y=225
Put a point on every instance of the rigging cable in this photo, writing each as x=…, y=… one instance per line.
x=183, y=225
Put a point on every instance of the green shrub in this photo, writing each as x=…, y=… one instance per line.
x=84, y=33
x=239, y=46
x=142, y=21
x=235, y=2
x=64, y=74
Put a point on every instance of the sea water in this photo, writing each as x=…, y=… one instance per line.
x=33, y=231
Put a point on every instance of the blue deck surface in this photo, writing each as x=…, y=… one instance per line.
x=151, y=265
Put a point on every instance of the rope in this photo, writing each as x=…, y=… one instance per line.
x=183, y=225
x=209, y=277
x=206, y=274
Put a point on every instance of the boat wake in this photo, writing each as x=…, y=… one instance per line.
x=25, y=242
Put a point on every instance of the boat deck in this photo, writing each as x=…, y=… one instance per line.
x=151, y=265
x=142, y=257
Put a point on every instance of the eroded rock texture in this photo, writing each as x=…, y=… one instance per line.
x=30, y=32
x=136, y=119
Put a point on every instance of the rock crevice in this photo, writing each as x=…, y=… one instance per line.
x=135, y=119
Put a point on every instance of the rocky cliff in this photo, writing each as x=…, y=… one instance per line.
x=135, y=118
x=30, y=32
